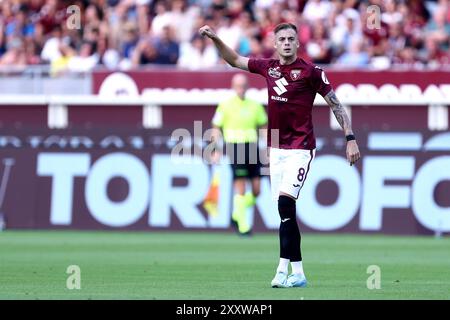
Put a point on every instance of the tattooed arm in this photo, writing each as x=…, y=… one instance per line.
x=342, y=118
x=339, y=112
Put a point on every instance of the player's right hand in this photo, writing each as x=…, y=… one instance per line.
x=207, y=31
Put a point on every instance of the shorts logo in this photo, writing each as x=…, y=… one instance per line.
x=274, y=72
x=295, y=74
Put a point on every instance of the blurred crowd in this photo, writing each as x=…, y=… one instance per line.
x=125, y=34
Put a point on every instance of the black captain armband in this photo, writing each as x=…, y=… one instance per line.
x=350, y=137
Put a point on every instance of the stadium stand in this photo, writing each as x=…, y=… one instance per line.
x=125, y=34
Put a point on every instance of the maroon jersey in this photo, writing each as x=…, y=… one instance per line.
x=292, y=89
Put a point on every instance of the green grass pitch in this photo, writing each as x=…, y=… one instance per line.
x=185, y=266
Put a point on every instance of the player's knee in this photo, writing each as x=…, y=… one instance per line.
x=286, y=207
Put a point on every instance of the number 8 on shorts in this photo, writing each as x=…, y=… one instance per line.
x=289, y=170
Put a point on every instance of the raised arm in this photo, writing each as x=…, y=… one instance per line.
x=228, y=54
x=342, y=118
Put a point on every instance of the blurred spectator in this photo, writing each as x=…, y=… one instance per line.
x=32, y=53
x=162, y=18
x=271, y=18
x=392, y=14
x=319, y=47
x=408, y=57
x=377, y=39
x=143, y=11
x=52, y=14
x=86, y=58
x=182, y=20
x=109, y=56
x=15, y=53
x=260, y=49
x=51, y=50
x=249, y=31
x=128, y=40
x=266, y=4
x=432, y=55
x=198, y=54
x=230, y=32
x=144, y=53
x=396, y=41
x=167, y=48
x=438, y=28
x=60, y=64
x=93, y=16
x=18, y=26
x=316, y=10
x=345, y=34
x=418, y=11
x=355, y=56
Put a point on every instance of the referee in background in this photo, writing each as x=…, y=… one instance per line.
x=239, y=119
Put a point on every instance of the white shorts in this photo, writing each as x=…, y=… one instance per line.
x=289, y=169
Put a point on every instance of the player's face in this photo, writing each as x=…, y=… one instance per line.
x=286, y=43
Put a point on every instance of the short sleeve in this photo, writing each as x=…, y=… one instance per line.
x=258, y=66
x=319, y=82
x=218, y=118
x=261, y=116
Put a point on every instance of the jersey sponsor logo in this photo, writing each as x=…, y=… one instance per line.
x=280, y=88
x=274, y=72
x=295, y=74
x=279, y=98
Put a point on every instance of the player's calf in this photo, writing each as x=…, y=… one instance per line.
x=289, y=232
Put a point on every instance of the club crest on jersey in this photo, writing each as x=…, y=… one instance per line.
x=295, y=74
x=274, y=72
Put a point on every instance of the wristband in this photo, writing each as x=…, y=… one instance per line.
x=350, y=137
